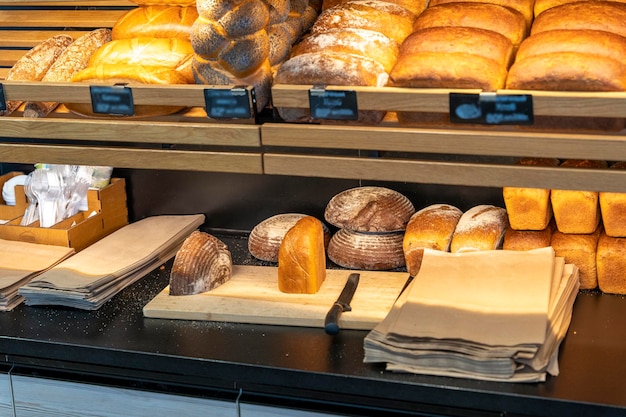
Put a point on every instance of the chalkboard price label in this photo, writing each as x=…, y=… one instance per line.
x=3, y=100
x=113, y=100
x=491, y=108
x=229, y=103
x=333, y=104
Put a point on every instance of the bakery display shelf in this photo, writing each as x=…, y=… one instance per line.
x=435, y=100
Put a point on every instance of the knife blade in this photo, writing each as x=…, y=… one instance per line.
x=331, y=323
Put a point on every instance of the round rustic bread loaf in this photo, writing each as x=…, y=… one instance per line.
x=366, y=251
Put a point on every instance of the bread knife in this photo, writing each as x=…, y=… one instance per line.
x=331, y=323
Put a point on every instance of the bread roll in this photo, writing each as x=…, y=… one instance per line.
x=366, y=251
x=201, y=264
x=529, y=208
x=613, y=209
x=302, y=258
x=567, y=71
x=73, y=59
x=541, y=6
x=577, y=211
x=611, y=264
x=432, y=228
x=608, y=16
x=480, y=228
x=503, y=20
x=580, y=250
x=527, y=239
x=525, y=7
x=369, y=209
x=34, y=64
x=156, y=22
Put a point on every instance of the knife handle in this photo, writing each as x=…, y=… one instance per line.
x=331, y=323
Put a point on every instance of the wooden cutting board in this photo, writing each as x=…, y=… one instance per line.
x=252, y=296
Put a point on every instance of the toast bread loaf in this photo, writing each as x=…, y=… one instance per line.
x=577, y=211
x=529, y=208
x=480, y=228
x=525, y=7
x=611, y=264
x=608, y=16
x=613, y=209
x=528, y=239
x=302, y=258
x=580, y=250
x=432, y=228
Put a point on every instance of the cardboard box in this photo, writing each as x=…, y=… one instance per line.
x=107, y=212
x=11, y=212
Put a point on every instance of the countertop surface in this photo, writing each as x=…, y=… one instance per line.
x=305, y=365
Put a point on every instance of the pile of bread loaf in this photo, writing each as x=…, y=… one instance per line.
x=587, y=228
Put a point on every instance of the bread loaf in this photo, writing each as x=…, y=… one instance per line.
x=611, y=264
x=156, y=22
x=182, y=3
x=529, y=208
x=567, y=71
x=369, y=209
x=34, y=64
x=265, y=238
x=580, y=250
x=541, y=6
x=73, y=59
x=577, y=211
x=480, y=228
x=608, y=16
x=613, y=209
x=432, y=228
x=366, y=251
x=525, y=7
x=201, y=264
x=302, y=258
x=527, y=239
x=503, y=20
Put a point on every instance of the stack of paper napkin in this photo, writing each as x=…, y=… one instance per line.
x=490, y=315
x=94, y=275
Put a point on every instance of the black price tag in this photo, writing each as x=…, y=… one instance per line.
x=3, y=100
x=333, y=104
x=228, y=103
x=491, y=109
x=114, y=100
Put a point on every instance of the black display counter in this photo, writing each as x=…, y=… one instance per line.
x=301, y=367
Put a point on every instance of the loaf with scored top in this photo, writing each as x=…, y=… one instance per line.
x=480, y=228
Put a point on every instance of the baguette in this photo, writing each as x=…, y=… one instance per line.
x=73, y=59
x=34, y=64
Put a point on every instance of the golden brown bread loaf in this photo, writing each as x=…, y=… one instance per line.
x=613, y=209
x=302, y=258
x=567, y=71
x=525, y=7
x=593, y=42
x=529, y=208
x=73, y=59
x=34, y=64
x=165, y=2
x=611, y=264
x=503, y=20
x=369, y=209
x=480, y=228
x=577, y=211
x=156, y=22
x=432, y=228
x=609, y=16
x=541, y=6
x=580, y=250
x=366, y=251
x=527, y=239
x=201, y=264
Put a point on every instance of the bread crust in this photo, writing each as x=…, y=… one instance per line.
x=156, y=21
x=480, y=228
x=609, y=16
x=580, y=250
x=611, y=264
